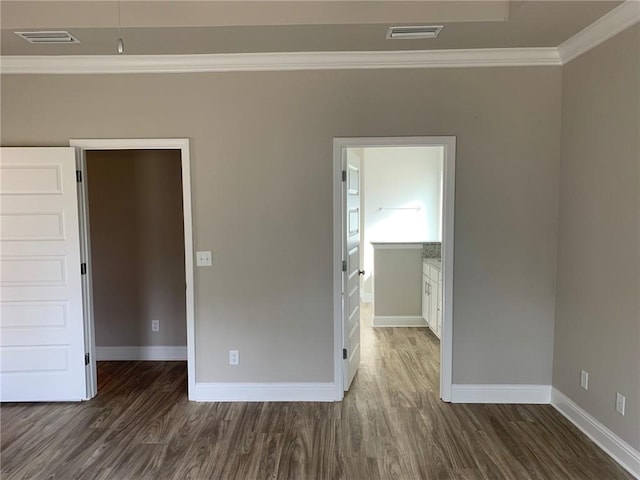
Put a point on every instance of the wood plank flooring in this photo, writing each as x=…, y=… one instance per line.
x=391, y=425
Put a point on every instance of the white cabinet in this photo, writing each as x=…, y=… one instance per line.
x=437, y=310
x=432, y=296
x=426, y=306
x=439, y=319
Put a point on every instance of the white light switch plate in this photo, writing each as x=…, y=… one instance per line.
x=584, y=379
x=620, y=401
x=203, y=259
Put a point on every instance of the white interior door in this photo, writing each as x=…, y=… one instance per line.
x=41, y=324
x=351, y=265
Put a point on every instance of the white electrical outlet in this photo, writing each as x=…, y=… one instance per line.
x=203, y=259
x=155, y=325
x=234, y=357
x=620, y=401
x=584, y=379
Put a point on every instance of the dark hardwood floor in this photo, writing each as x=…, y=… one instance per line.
x=391, y=425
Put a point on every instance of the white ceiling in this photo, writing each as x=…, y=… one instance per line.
x=187, y=27
x=189, y=13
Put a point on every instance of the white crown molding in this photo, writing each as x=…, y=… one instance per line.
x=537, y=394
x=617, y=20
x=252, y=62
x=612, y=444
x=607, y=26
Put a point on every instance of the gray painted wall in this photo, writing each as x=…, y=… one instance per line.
x=397, y=282
x=137, y=247
x=598, y=315
x=262, y=198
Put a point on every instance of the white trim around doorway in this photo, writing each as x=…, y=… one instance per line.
x=181, y=144
x=446, y=342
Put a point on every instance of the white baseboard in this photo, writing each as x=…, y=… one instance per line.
x=159, y=353
x=393, y=321
x=462, y=393
x=623, y=453
x=266, y=392
x=366, y=297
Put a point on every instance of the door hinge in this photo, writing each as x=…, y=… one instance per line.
x=344, y=353
x=78, y=176
x=86, y=359
x=344, y=175
x=83, y=269
x=344, y=265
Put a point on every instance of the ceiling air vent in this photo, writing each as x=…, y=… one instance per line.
x=407, y=33
x=48, y=37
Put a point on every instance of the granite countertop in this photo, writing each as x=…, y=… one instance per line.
x=432, y=254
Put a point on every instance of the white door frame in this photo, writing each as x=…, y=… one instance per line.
x=446, y=342
x=181, y=144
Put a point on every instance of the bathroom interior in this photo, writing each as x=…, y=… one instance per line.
x=401, y=201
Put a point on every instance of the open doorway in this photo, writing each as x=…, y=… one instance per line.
x=401, y=219
x=400, y=192
x=136, y=241
x=137, y=254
